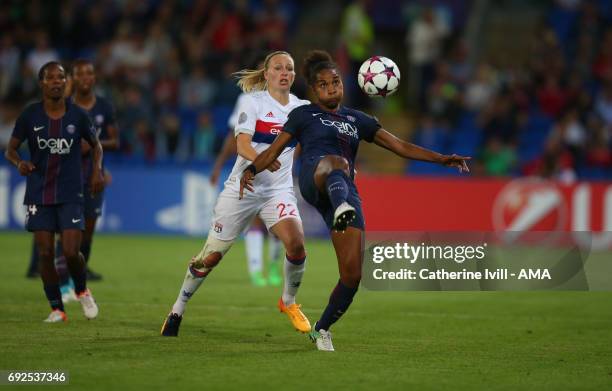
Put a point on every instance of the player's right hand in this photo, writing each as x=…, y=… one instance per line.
x=246, y=182
x=275, y=165
x=25, y=167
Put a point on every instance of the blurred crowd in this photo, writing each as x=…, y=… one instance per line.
x=165, y=64
x=549, y=116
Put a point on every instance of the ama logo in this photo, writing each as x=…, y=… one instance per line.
x=57, y=146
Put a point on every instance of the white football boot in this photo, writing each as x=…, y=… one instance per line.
x=56, y=316
x=343, y=215
x=90, y=308
x=323, y=339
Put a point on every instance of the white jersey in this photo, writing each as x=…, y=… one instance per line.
x=262, y=117
x=233, y=119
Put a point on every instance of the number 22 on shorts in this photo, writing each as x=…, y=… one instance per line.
x=285, y=210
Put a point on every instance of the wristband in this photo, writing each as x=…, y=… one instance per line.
x=252, y=168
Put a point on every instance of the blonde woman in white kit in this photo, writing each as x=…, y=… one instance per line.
x=263, y=111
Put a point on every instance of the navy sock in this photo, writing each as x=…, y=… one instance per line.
x=339, y=301
x=54, y=296
x=86, y=250
x=337, y=187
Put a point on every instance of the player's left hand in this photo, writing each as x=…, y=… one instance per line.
x=246, y=182
x=456, y=161
x=97, y=181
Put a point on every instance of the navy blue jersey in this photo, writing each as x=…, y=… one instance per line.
x=102, y=115
x=323, y=133
x=55, y=150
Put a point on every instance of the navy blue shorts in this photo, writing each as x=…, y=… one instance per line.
x=92, y=205
x=320, y=201
x=54, y=218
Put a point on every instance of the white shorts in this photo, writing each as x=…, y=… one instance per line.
x=232, y=216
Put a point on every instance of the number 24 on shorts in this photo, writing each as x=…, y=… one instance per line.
x=285, y=210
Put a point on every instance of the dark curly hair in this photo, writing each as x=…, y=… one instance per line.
x=80, y=62
x=314, y=62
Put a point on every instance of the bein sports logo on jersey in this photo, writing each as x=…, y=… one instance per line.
x=59, y=146
x=343, y=127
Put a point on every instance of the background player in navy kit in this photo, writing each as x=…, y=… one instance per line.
x=329, y=134
x=54, y=128
x=102, y=114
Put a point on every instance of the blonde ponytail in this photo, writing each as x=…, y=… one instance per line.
x=251, y=80
x=254, y=79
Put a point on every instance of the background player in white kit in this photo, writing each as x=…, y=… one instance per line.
x=261, y=117
x=254, y=236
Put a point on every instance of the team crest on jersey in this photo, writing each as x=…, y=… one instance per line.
x=270, y=115
x=242, y=118
x=71, y=128
x=218, y=227
x=99, y=119
x=351, y=118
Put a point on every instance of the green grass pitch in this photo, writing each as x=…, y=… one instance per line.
x=233, y=337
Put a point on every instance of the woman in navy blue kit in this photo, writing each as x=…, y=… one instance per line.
x=53, y=129
x=329, y=134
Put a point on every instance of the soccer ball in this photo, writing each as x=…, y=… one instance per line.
x=378, y=76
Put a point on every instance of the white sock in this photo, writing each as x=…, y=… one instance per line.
x=274, y=248
x=293, y=279
x=189, y=287
x=253, y=241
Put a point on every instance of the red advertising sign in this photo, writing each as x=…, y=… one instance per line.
x=395, y=203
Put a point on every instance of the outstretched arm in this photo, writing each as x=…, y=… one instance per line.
x=263, y=160
x=411, y=151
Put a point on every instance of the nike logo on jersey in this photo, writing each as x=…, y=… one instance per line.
x=316, y=114
x=74, y=221
x=37, y=128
